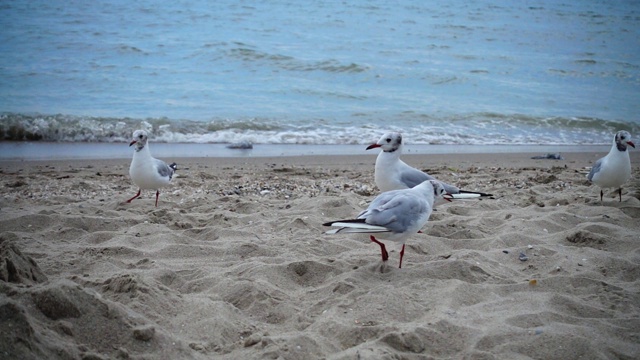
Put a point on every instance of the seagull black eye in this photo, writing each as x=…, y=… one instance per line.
x=140, y=136
x=388, y=140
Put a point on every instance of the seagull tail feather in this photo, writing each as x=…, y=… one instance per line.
x=353, y=226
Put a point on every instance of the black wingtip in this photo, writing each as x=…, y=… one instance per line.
x=344, y=221
x=174, y=166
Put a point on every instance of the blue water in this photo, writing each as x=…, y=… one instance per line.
x=321, y=72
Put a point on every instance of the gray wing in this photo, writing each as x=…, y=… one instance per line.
x=163, y=169
x=378, y=202
x=594, y=169
x=396, y=211
x=412, y=177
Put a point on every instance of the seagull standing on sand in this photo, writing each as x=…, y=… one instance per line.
x=614, y=169
x=391, y=173
x=395, y=214
x=146, y=171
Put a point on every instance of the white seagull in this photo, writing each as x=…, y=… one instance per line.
x=146, y=171
x=395, y=215
x=614, y=169
x=391, y=173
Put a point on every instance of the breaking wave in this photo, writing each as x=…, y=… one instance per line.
x=470, y=129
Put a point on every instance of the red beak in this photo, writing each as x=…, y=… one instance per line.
x=448, y=197
x=632, y=144
x=133, y=142
x=373, y=146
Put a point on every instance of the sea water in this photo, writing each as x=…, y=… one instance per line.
x=320, y=72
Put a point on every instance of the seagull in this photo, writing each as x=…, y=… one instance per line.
x=614, y=169
x=395, y=214
x=146, y=171
x=391, y=173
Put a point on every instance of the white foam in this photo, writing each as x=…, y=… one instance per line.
x=481, y=129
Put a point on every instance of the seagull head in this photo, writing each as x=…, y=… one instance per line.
x=139, y=139
x=439, y=191
x=622, y=140
x=389, y=142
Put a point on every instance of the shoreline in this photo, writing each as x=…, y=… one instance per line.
x=362, y=162
x=82, y=151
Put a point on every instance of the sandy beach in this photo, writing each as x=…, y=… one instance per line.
x=233, y=263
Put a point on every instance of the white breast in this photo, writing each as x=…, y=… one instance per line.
x=144, y=173
x=387, y=174
x=615, y=170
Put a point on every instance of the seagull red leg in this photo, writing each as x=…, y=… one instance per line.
x=138, y=194
x=157, y=194
x=401, y=255
x=383, y=249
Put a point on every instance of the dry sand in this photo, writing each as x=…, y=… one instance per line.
x=233, y=263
